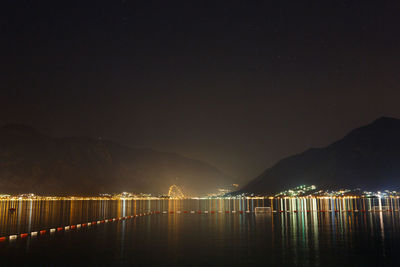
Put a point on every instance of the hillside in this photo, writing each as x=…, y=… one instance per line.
x=33, y=162
x=366, y=158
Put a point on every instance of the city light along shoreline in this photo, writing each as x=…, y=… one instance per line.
x=299, y=192
x=65, y=198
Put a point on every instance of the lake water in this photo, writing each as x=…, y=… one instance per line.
x=302, y=232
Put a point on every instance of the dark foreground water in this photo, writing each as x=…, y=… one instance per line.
x=300, y=238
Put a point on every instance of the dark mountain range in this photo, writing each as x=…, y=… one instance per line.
x=33, y=162
x=366, y=158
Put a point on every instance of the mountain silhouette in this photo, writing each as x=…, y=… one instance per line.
x=37, y=163
x=367, y=158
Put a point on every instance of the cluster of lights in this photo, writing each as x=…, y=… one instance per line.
x=337, y=193
x=380, y=194
x=310, y=191
x=301, y=190
x=121, y=196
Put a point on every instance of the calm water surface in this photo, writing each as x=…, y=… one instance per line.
x=191, y=239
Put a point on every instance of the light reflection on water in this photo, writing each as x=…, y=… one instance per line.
x=280, y=238
x=35, y=215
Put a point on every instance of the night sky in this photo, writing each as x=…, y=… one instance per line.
x=239, y=84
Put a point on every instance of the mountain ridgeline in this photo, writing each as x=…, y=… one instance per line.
x=366, y=158
x=33, y=162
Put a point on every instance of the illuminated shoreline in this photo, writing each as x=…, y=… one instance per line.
x=73, y=198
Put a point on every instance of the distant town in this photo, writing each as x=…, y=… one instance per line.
x=313, y=191
x=303, y=191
